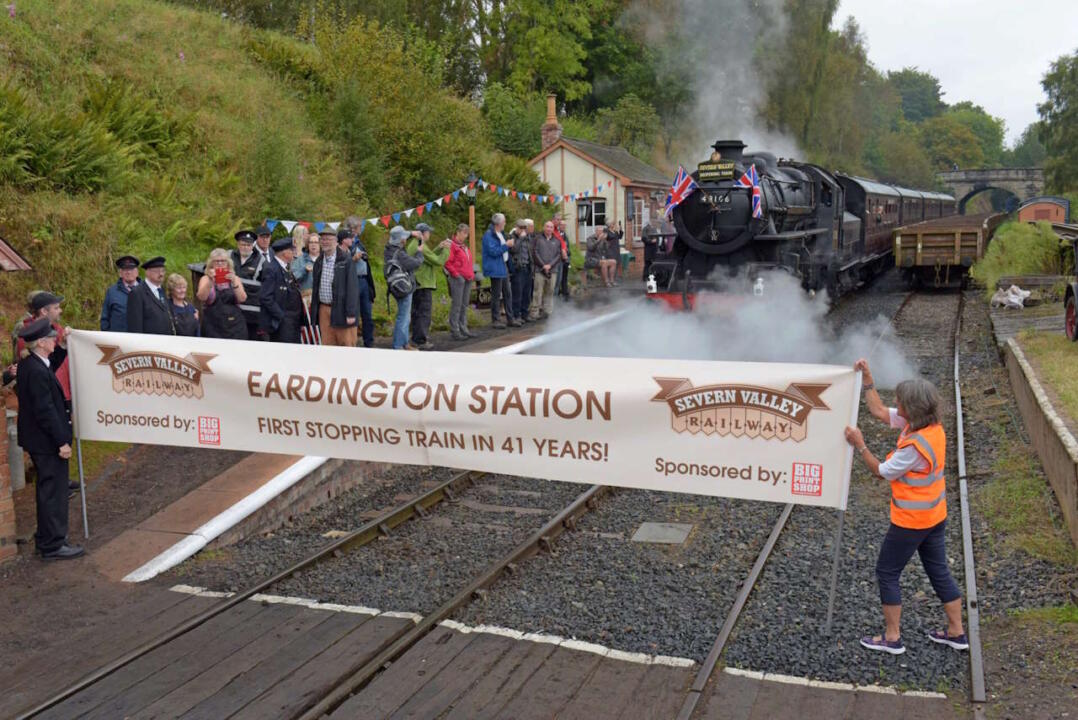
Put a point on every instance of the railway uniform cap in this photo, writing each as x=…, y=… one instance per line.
x=284, y=243
x=44, y=299
x=154, y=262
x=424, y=227
x=127, y=262
x=38, y=329
x=245, y=236
x=264, y=230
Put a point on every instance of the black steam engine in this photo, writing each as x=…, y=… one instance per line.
x=831, y=231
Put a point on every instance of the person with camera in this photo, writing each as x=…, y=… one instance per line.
x=45, y=432
x=612, y=255
x=546, y=259
x=495, y=256
x=221, y=293
x=435, y=256
x=399, y=268
x=520, y=269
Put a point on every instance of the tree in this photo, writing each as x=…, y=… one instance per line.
x=901, y=159
x=544, y=45
x=1059, y=123
x=949, y=143
x=632, y=124
x=988, y=129
x=514, y=122
x=920, y=91
x=1027, y=151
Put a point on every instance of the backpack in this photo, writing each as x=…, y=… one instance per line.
x=398, y=280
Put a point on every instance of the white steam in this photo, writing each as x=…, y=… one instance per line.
x=784, y=325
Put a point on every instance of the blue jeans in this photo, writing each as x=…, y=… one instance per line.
x=403, y=322
x=365, y=312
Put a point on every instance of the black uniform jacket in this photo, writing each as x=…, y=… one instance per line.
x=147, y=313
x=43, y=425
x=345, y=290
x=278, y=295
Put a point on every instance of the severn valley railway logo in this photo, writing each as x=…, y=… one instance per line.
x=740, y=410
x=154, y=373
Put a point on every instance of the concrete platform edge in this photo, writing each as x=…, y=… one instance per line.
x=225, y=520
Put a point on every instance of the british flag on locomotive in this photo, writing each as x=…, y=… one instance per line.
x=681, y=189
x=752, y=180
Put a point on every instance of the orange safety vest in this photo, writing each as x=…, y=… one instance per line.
x=919, y=499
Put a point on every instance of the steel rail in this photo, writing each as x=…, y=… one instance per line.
x=357, y=538
x=708, y=667
x=362, y=674
x=973, y=614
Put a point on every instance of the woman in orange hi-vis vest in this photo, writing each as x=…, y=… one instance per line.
x=918, y=506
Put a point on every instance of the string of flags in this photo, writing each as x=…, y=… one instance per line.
x=419, y=210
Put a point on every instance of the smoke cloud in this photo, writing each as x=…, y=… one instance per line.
x=721, y=45
x=784, y=325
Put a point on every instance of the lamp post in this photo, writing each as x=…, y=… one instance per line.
x=471, y=180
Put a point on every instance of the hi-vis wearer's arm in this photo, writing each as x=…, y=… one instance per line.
x=872, y=398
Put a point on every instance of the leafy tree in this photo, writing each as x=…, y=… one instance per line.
x=632, y=124
x=988, y=129
x=353, y=124
x=1027, y=151
x=544, y=45
x=950, y=143
x=901, y=159
x=920, y=91
x=514, y=122
x=1059, y=123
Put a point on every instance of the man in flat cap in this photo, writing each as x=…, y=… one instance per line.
x=335, y=302
x=114, y=310
x=45, y=433
x=279, y=297
x=245, y=260
x=147, y=305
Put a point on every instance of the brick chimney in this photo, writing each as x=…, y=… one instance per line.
x=551, y=130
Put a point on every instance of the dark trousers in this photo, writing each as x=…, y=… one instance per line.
x=562, y=288
x=501, y=296
x=51, y=490
x=650, y=251
x=522, y=291
x=898, y=547
x=366, y=314
x=422, y=304
x=288, y=330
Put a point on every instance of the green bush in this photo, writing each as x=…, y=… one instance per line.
x=136, y=120
x=1022, y=249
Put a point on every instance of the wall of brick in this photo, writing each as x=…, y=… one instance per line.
x=8, y=550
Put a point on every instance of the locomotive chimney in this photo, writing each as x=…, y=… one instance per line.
x=729, y=149
x=551, y=130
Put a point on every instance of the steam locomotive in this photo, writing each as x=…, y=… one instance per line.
x=830, y=230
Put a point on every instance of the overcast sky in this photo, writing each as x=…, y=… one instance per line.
x=993, y=52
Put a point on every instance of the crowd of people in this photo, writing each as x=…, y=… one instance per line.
x=319, y=287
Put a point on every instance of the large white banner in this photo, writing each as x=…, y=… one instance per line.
x=761, y=431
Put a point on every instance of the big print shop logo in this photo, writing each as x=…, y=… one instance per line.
x=148, y=372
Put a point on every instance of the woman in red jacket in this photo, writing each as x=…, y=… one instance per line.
x=461, y=271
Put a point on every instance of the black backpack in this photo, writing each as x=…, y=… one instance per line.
x=398, y=280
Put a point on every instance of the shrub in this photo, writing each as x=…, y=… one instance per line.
x=1022, y=249
x=136, y=120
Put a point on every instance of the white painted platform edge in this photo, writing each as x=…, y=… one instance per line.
x=217, y=525
x=827, y=685
x=567, y=643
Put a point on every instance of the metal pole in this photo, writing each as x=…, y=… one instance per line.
x=82, y=489
x=471, y=228
x=834, y=572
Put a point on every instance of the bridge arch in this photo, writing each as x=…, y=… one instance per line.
x=1023, y=183
x=1014, y=199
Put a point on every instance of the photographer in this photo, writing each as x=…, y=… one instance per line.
x=520, y=268
x=426, y=279
x=609, y=268
x=546, y=259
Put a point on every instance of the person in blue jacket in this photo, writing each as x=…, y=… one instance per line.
x=495, y=254
x=114, y=310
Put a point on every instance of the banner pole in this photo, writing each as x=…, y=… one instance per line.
x=82, y=489
x=834, y=572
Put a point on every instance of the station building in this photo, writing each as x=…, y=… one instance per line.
x=633, y=191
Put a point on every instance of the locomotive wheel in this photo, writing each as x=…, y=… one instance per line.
x=1070, y=323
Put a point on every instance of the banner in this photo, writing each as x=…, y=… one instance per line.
x=760, y=431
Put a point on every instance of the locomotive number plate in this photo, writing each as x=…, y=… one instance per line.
x=717, y=200
x=721, y=170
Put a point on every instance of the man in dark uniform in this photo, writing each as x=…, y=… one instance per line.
x=279, y=296
x=45, y=433
x=147, y=305
x=114, y=311
x=650, y=237
x=245, y=259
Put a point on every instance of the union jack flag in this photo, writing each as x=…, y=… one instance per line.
x=752, y=180
x=681, y=189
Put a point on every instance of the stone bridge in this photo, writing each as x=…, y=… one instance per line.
x=1023, y=183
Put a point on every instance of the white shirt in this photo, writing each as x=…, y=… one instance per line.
x=156, y=289
x=505, y=246
x=44, y=359
x=904, y=459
